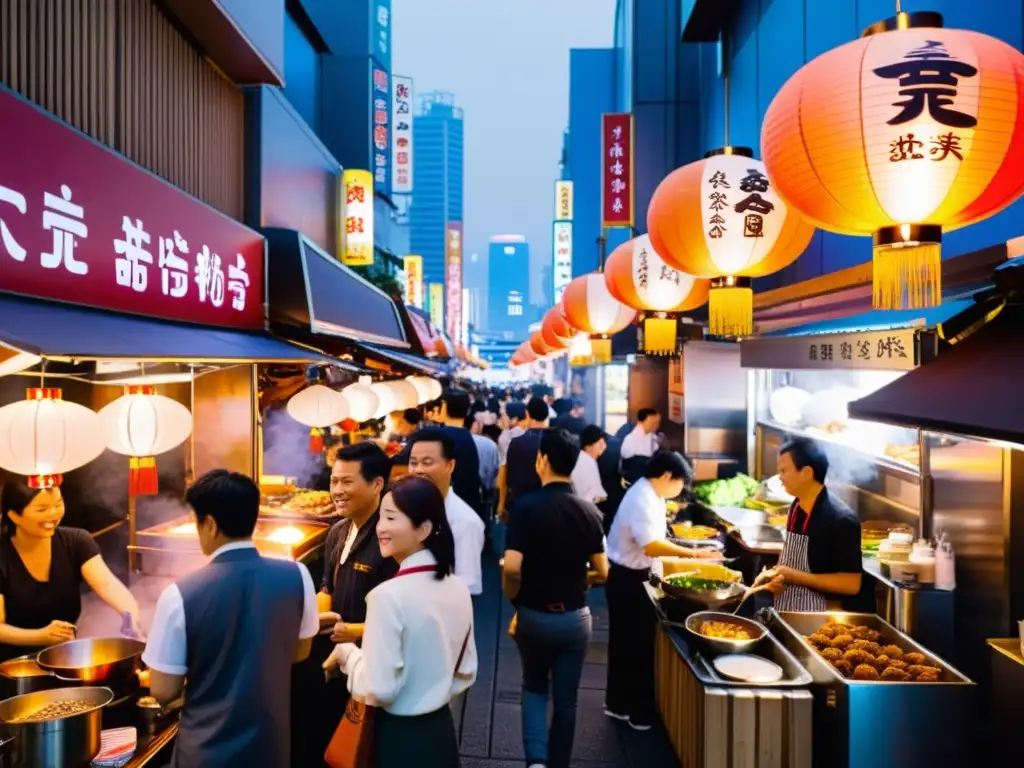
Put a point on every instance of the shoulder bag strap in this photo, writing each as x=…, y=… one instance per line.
x=462, y=653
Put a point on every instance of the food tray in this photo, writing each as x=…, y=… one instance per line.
x=794, y=675
x=793, y=627
x=701, y=598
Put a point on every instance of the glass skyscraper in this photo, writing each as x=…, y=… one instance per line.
x=437, y=168
x=508, y=267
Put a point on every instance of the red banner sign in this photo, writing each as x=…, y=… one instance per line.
x=617, y=170
x=453, y=279
x=81, y=224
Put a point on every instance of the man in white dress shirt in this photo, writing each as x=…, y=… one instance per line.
x=433, y=457
x=637, y=536
x=586, y=477
x=643, y=440
x=212, y=628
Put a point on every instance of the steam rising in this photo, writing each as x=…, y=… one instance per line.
x=285, y=451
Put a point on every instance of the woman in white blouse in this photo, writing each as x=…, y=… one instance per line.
x=418, y=649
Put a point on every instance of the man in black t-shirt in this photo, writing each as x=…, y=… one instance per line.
x=521, y=474
x=555, y=548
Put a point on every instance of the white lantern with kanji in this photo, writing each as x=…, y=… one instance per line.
x=317, y=407
x=45, y=436
x=141, y=425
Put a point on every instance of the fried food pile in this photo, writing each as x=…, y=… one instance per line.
x=724, y=630
x=856, y=652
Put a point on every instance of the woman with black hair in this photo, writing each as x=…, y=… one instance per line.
x=418, y=649
x=42, y=567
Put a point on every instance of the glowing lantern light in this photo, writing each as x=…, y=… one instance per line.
x=588, y=305
x=722, y=218
x=638, y=277
x=363, y=402
x=44, y=437
x=317, y=407
x=920, y=131
x=404, y=394
x=540, y=347
x=141, y=425
x=556, y=330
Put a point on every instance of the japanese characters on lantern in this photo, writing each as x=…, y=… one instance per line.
x=918, y=133
x=381, y=129
x=357, y=237
x=617, y=170
x=401, y=135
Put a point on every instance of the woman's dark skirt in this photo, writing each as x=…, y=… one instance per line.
x=424, y=741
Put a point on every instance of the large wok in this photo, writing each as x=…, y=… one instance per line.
x=68, y=740
x=94, y=660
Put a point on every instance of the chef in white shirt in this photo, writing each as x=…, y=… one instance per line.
x=586, y=477
x=639, y=534
x=412, y=683
x=433, y=457
x=643, y=440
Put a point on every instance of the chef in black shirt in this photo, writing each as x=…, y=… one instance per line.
x=353, y=565
x=555, y=547
x=821, y=561
x=42, y=567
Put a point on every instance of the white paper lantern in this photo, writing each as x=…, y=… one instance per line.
x=362, y=402
x=44, y=436
x=385, y=400
x=318, y=406
x=422, y=386
x=142, y=423
x=404, y=395
x=436, y=390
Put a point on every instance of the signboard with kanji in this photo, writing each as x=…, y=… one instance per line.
x=894, y=350
x=357, y=234
x=436, y=296
x=401, y=135
x=81, y=224
x=617, y=170
x=414, y=281
x=563, y=200
x=381, y=130
x=453, y=280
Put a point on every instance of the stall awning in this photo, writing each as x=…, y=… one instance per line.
x=63, y=331
x=426, y=332
x=314, y=291
x=415, y=362
x=878, y=320
x=970, y=389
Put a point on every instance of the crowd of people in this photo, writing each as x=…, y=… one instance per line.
x=563, y=504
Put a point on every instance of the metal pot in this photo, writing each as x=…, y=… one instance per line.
x=94, y=660
x=62, y=741
x=22, y=675
x=757, y=632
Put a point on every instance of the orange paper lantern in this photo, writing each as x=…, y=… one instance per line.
x=920, y=130
x=556, y=329
x=638, y=277
x=588, y=305
x=539, y=346
x=722, y=218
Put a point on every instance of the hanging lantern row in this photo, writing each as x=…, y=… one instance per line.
x=590, y=307
x=920, y=131
x=319, y=407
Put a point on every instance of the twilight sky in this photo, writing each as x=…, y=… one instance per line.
x=507, y=62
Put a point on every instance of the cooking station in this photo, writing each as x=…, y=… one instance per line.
x=57, y=703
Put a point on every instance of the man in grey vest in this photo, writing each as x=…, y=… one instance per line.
x=232, y=629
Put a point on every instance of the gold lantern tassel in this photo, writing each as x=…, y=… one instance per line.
x=660, y=335
x=907, y=267
x=731, y=307
x=601, y=350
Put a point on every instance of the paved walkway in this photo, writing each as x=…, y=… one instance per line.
x=490, y=727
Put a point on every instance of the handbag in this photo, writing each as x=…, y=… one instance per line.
x=352, y=743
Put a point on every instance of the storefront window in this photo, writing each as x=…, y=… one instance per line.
x=301, y=72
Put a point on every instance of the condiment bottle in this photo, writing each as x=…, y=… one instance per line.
x=924, y=558
x=945, y=567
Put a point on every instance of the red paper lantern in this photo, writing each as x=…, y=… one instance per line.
x=556, y=329
x=588, y=305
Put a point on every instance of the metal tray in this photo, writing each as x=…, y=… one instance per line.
x=794, y=675
x=793, y=627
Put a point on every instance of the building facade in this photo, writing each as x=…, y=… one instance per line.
x=438, y=159
x=509, y=311
x=475, y=282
